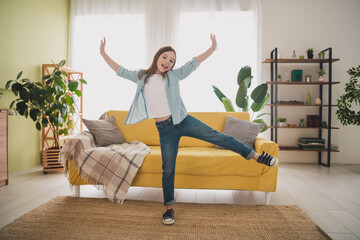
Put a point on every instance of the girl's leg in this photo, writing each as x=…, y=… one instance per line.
x=169, y=152
x=193, y=127
x=169, y=143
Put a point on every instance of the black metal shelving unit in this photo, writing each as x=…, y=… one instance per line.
x=274, y=101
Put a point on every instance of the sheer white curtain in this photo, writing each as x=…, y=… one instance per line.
x=135, y=30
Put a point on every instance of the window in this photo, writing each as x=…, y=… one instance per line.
x=136, y=29
x=236, y=48
x=125, y=34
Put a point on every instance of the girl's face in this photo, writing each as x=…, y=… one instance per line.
x=165, y=62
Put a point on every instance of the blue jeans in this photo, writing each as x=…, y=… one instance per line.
x=170, y=135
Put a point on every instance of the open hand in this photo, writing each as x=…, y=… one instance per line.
x=214, y=42
x=102, y=46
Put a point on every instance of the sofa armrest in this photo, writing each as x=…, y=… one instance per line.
x=262, y=144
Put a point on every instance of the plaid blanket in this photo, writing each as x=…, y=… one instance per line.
x=113, y=166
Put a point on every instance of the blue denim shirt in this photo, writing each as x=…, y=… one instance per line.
x=138, y=111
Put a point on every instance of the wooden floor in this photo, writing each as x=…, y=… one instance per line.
x=329, y=196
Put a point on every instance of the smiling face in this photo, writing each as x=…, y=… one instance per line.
x=165, y=62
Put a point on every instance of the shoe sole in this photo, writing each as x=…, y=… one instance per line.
x=274, y=162
x=168, y=222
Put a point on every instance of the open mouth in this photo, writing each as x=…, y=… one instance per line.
x=165, y=67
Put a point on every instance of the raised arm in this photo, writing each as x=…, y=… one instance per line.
x=202, y=57
x=106, y=57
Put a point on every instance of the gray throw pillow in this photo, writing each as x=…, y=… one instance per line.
x=105, y=131
x=242, y=130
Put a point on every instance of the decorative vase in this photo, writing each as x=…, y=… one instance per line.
x=321, y=79
x=310, y=55
x=317, y=101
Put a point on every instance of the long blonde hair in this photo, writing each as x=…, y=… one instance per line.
x=152, y=69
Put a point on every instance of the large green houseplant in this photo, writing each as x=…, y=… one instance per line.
x=48, y=104
x=346, y=113
x=259, y=96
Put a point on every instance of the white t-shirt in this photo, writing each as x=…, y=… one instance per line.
x=157, y=103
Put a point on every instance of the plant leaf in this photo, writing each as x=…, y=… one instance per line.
x=12, y=104
x=21, y=107
x=59, y=81
x=70, y=124
x=241, y=95
x=228, y=105
x=46, y=77
x=24, y=95
x=33, y=114
x=62, y=63
x=7, y=86
x=258, y=106
x=243, y=73
x=69, y=100
x=261, y=121
x=85, y=82
x=246, y=106
x=78, y=92
x=259, y=93
x=73, y=85
x=218, y=93
x=38, y=126
x=19, y=75
x=263, y=114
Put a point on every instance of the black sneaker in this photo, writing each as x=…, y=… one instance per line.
x=268, y=160
x=168, y=217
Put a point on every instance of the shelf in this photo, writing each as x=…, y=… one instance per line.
x=294, y=60
x=300, y=105
x=295, y=148
x=301, y=83
x=275, y=103
x=305, y=127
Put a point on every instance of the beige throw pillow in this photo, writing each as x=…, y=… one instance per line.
x=105, y=131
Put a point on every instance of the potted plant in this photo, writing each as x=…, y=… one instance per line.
x=259, y=95
x=301, y=122
x=279, y=77
x=49, y=103
x=347, y=113
x=310, y=53
x=321, y=73
x=308, y=77
x=282, y=122
x=321, y=55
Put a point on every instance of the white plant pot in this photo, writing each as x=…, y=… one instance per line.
x=282, y=124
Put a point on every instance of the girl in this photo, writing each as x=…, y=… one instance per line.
x=158, y=97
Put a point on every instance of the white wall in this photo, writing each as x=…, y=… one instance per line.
x=298, y=25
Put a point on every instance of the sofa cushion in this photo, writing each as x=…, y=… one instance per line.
x=203, y=161
x=105, y=131
x=243, y=131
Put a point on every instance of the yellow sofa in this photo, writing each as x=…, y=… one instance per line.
x=199, y=165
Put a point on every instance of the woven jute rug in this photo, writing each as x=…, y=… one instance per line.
x=96, y=218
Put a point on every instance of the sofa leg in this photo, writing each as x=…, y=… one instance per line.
x=267, y=198
x=77, y=190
